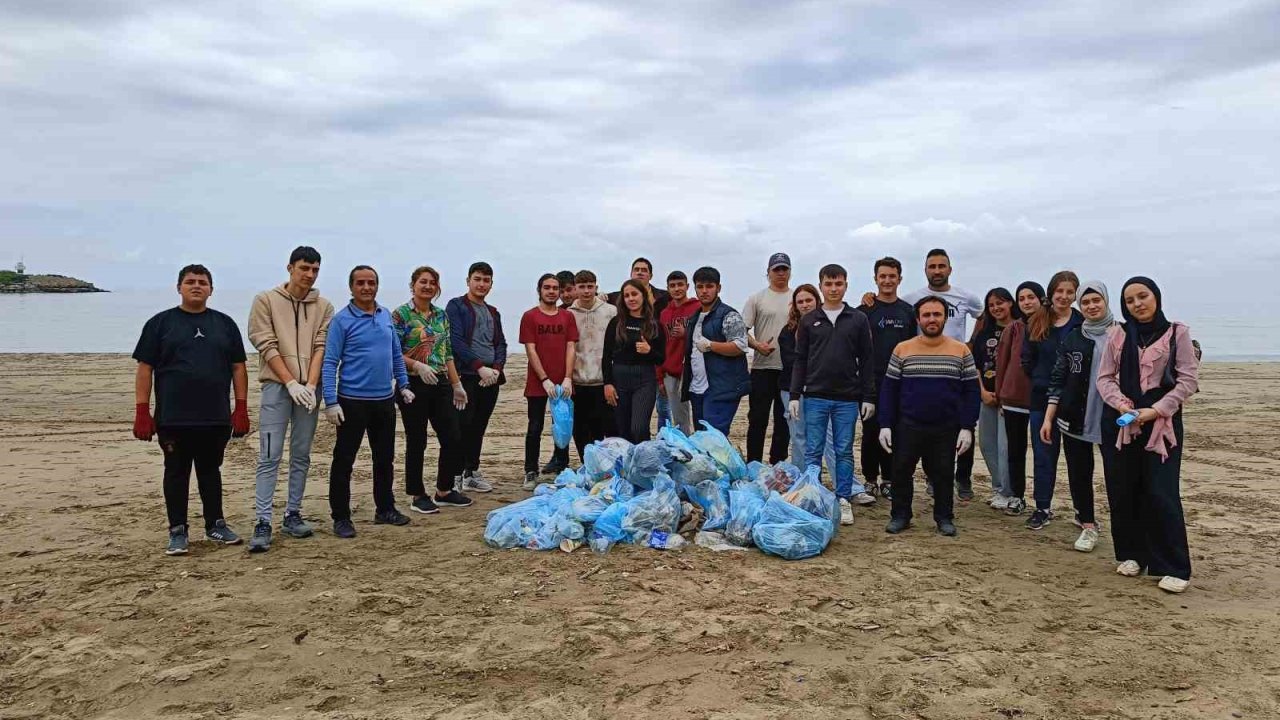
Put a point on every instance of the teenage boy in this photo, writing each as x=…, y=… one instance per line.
x=550, y=337
x=288, y=325
x=674, y=319
x=893, y=320
x=765, y=314
x=928, y=406
x=363, y=370
x=568, y=287
x=834, y=372
x=479, y=353
x=715, y=374
x=194, y=357
x=592, y=416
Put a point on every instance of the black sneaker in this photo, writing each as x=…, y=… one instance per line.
x=530, y=481
x=897, y=525
x=1039, y=519
x=453, y=499
x=344, y=529
x=1016, y=506
x=947, y=528
x=886, y=491
x=294, y=526
x=177, y=541
x=220, y=533
x=390, y=517
x=261, y=540
x=552, y=468
x=965, y=494
x=423, y=504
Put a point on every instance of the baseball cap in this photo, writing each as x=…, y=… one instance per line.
x=779, y=260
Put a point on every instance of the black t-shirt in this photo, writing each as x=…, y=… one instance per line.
x=891, y=323
x=983, y=347
x=192, y=355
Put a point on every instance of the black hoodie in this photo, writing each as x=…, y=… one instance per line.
x=834, y=362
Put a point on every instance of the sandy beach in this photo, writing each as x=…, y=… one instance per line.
x=427, y=622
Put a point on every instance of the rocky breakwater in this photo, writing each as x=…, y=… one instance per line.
x=14, y=283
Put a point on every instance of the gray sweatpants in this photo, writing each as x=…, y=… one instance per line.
x=994, y=445
x=681, y=412
x=276, y=414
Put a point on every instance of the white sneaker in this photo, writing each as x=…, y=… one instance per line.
x=998, y=502
x=1088, y=540
x=864, y=498
x=1171, y=584
x=475, y=483
x=846, y=512
x=1129, y=568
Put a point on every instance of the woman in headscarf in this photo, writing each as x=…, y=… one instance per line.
x=1149, y=368
x=999, y=309
x=1075, y=407
x=1013, y=391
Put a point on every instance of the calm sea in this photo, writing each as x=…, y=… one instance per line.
x=110, y=322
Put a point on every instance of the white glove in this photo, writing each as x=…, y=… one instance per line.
x=425, y=373
x=488, y=376
x=702, y=344
x=567, y=386
x=793, y=407
x=868, y=411
x=301, y=394
x=886, y=439
x=407, y=395
x=964, y=442
x=459, y=396
x=549, y=387
x=333, y=414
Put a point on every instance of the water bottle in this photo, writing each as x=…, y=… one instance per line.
x=1127, y=419
x=663, y=540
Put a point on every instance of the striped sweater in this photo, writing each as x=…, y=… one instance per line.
x=930, y=385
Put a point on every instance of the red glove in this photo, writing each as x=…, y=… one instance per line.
x=144, y=428
x=240, y=419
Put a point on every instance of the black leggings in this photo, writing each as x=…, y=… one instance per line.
x=1016, y=425
x=202, y=447
x=1080, y=475
x=637, y=388
x=377, y=419
x=434, y=405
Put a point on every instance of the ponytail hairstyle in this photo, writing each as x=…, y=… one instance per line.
x=649, y=324
x=1041, y=322
x=793, y=316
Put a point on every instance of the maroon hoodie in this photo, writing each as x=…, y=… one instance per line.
x=1013, y=387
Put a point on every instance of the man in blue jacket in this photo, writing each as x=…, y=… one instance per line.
x=480, y=352
x=363, y=370
x=716, y=376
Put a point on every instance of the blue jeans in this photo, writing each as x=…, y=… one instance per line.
x=664, y=408
x=796, y=426
x=718, y=414
x=841, y=417
x=1044, y=461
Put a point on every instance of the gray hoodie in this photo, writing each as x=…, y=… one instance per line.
x=591, y=322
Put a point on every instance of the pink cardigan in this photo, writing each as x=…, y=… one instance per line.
x=1151, y=364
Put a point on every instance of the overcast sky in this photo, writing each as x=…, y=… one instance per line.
x=1110, y=138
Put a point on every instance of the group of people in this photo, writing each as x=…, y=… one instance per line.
x=925, y=390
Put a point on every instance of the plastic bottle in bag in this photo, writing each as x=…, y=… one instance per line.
x=662, y=540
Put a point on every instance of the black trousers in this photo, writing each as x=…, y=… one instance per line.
x=377, y=419
x=434, y=405
x=1080, y=475
x=1147, y=524
x=533, y=436
x=935, y=449
x=592, y=416
x=964, y=467
x=876, y=463
x=473, y=422
x=637, y=388
x=1016, y=426
x=184, y=447
x=766, y=394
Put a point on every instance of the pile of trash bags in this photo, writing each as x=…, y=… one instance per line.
x=650, y=493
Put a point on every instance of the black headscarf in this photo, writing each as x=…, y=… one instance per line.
x=1138, y=335
x=1034, y=287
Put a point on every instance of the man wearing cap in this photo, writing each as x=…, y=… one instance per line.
x=765, y=314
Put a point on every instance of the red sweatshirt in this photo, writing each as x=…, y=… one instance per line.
x=673, y=319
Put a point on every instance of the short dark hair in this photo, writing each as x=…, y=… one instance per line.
x=887, y=262
x=194, y=269
x=584, y=276
x=927, y=299
x=305, y=253
x=706, y=274
x=832, y=271
x=677, y=275
x=351, y=276
x=544, y=278
x=642, y=260
x=481, y=267
x=566, y=277
x=936, y=252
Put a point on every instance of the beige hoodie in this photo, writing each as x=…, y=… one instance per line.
x=293, y=330
x=587, y=369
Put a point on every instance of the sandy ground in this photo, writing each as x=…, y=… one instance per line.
x=425, y=621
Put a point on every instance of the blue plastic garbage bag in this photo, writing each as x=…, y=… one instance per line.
x=789, y=532
x=609, y=525
x=546, y=489
x=699, y=467
x=779, y=477
x=574, y=478
x=713, y=442
x=657, y=509
x=588, y=509
x=645, y=462
x=614, y=490
x=515, y=524
x=809, y=494
x=745, y=503
x=603, y=458
x=675, y=439
x=561, y=418
x=713, y=497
